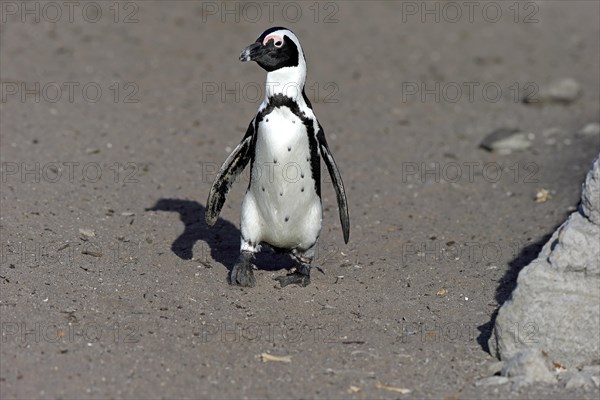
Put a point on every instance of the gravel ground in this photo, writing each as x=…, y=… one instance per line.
x=112, y=126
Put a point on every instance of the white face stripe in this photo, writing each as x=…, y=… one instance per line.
x=280, y=33
x=287, y=80
x=276, y=38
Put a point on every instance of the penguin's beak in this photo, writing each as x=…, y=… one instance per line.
x=251, y=52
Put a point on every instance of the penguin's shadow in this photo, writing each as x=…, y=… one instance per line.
x=222, y=239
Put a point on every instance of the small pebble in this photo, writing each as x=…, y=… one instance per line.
x=92, y=150
x=563, y=91
x=542, y=196
x=492, y=381
x=592, y=129
x=87, y=232
x=506, y=140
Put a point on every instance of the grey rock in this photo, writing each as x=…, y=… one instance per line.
x=587, y=378
x=555, y=306
x=592, y=369
x=506, y=140
x=492, y=381
x=590, y=197
x=529, y=364
x=563, y=91
x=495, y=367
x=592, y=129
x=519, y=382
x=579, y=381
x=577, y=248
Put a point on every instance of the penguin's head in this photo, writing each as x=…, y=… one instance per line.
x=276, y=48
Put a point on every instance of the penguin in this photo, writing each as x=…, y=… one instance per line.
x=283, y=144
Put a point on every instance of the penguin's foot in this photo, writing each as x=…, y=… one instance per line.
x=300, y=277
x=242, y=274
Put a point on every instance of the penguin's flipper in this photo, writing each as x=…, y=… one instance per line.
x=338, y=185
x=231, y=168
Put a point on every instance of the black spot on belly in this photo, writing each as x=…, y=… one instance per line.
x=293, y=122
x=263, y=189
x=267, y=119
x=281, y=193
x=280, y=100
x=289, y=149
x=274, y=161
x=302, y=175
x=302, y=190
x=287, y=219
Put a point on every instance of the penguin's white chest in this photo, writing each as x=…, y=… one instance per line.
x=282, y=184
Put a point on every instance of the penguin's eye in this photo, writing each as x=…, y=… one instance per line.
x=278, y=43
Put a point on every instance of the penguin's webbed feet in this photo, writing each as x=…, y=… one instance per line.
x=242, y=274
x=300, y=277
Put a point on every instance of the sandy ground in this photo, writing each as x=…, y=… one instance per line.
x=112, y=125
